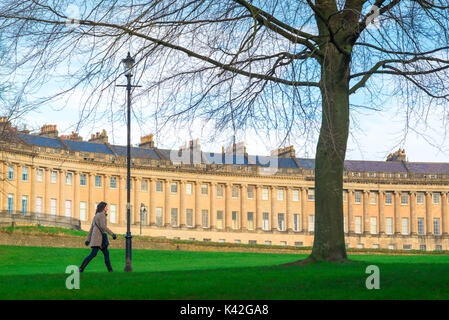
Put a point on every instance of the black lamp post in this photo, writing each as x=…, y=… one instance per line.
x=128, y=63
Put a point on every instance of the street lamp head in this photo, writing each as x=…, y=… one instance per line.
x=128, y=63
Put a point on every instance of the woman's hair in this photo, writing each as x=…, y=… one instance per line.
x=101, y=206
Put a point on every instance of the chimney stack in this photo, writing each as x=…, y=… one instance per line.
x=287, y=152
x=99, y=137
x=146, y=141
x=397, y=156
x=49, y=130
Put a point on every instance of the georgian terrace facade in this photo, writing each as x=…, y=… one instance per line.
x=392, y=204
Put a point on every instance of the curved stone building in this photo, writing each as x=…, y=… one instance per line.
x=224, y=197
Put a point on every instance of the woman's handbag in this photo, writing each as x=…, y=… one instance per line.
x=104, y=236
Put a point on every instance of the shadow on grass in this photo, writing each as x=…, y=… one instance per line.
x=318, y=281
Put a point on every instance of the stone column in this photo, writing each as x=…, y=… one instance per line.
x=76, y=195
x=182, y=200
x=197, y=213
x=428, y=216
x=213, y=196
x=381, y=212
x=122, y=197
x=303, y=209
x=288, y=214
x=18, y=206
x=350, y=212
x=90, y=209
x=444, y=212
x=243, y=212
x=32, y=206
x=365, y=219
x=227, y=214
x=258, y=213
x=167, y=214
x=61, y=202
x=272, y=225
x=137, y=189
x=152, y=212
x=46, y=200
x=397, y=222
x=412, y=213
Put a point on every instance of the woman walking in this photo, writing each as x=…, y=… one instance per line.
x=98, y=238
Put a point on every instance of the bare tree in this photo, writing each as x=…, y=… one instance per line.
x=283, y=65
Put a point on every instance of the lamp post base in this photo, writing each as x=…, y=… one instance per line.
x=128, y=267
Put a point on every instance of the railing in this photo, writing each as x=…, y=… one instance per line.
x=34, y=218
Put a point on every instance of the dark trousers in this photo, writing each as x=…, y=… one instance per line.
x=93, y=254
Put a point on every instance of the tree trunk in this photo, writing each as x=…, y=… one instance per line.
x=329, y=240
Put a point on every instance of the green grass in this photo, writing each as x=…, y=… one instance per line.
x=39, y=273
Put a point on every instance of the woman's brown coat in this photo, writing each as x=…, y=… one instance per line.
x=94, y=236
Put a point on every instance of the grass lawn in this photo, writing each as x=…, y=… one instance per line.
x=39, y=273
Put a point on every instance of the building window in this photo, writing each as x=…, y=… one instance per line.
x=235, y=192
x=296, y=222
x=39, y=205
x=373, y=197
x=204, y=189
x=220, y=191
x=281, y=194
x=24, y=173
x=40, y=174
x=144, y=185
x=436, y=198
x=421, y=226
x=295, y=195
x=174, y=187
x=11, y=173
x=24, y=204
x=250, y=192
x=311, y=195
x=358, y=224
x=283, y=243
x=406, y=247
x=388, y=198
x=265, y=194
x=113, y=183
x=252, y=241
x=250, y=220
x=68, y=208
x=189, y=188
x=438, y=247
x=159, y=186
x=420, y=198
x=404, y=198
x=345, y=225
x=83, y=179
x=234, y=219
x=159, y=217
x=268, y=242
x=311, y=223
x=373, y=225
x=391, y=247
x=219, y=219
x=436, y=226
x=265, y=221
x=389, y=225
x=174, y=217
x=98, y=181
x=68, y=178
x=281, y=222
x=345, y=195
x=205, y=218
x=189, y=217
x=53, y=207
x=83, y=207
x=54, y=176
x=357, y=197
x=422, y=247
x=113, y=213
x=10, y=203
x=405, y=226
x=298, y=244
